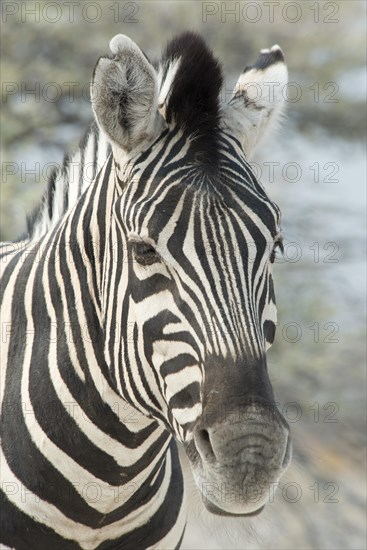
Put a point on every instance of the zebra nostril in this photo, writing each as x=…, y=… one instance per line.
x=204, y=445
x=205, y=437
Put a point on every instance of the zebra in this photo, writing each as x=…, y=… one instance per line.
x=137, y=313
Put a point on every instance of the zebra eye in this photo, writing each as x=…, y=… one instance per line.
x=144, y=253
x=278, y=245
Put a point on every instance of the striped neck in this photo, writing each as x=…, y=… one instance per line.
x=129, y=451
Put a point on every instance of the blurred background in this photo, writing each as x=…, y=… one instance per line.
x=314, y=168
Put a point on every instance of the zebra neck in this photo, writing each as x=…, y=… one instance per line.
x=86, y=457
x=106, y=438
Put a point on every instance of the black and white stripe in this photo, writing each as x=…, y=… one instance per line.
x=129, y=287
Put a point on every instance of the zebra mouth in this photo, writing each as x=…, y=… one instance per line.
x=235, y=464
x=213, y=509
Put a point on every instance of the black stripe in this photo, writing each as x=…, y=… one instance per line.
x=9, y=268
x=164, y=519
x=23, y=533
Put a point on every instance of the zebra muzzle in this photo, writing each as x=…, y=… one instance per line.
x=237, y=465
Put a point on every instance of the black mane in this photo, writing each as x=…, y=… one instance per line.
x=193, y=102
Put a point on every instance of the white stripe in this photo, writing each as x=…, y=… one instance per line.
x=179, y=380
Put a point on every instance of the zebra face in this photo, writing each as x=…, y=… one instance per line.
x=199, y=281
x=195, y=300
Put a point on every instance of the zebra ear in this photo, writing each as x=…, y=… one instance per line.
x=124, y=94
x=258, y=99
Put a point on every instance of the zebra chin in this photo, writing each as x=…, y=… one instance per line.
x=237, y=465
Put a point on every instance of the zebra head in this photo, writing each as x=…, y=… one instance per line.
x=188, y=293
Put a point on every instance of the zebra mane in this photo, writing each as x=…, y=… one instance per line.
x=190, y=83
x=67, y=182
